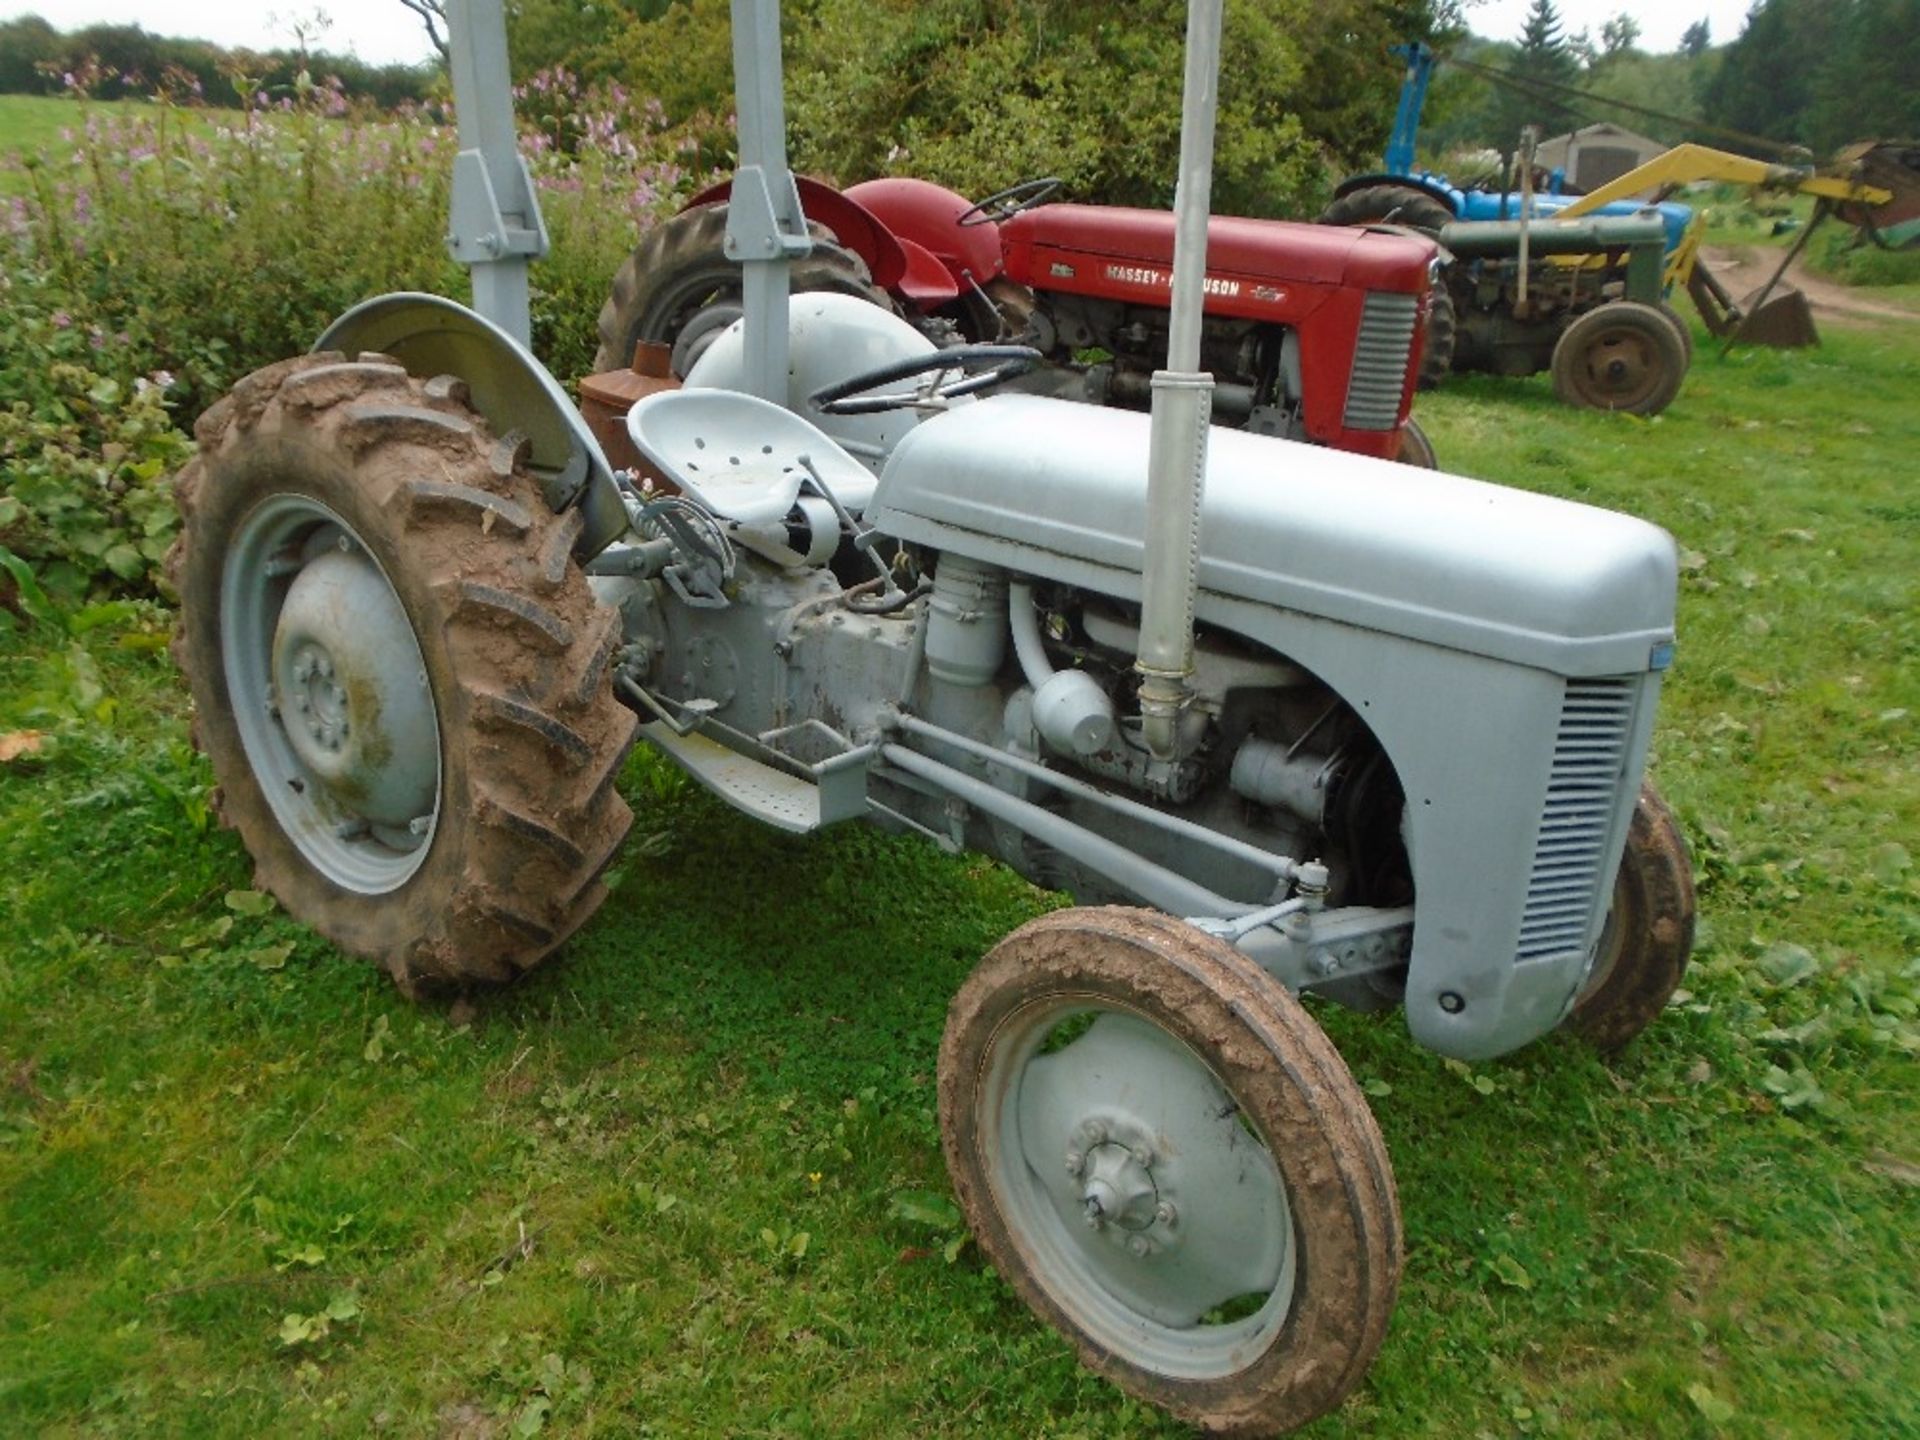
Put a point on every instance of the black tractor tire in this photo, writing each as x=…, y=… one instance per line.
x=679, y=269
x=513, y=652
x=1390, y=205
x=1649, y=932
x=1417, y=210
x=1620, y=356
x=1685, y=330
x=1443, y=336
x=1415, y=448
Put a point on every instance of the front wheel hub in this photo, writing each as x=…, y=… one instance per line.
x=1119, y=1188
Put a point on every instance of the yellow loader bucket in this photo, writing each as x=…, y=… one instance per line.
x=1783, y=320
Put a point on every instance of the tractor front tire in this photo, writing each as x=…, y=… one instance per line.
x=399, y=673
x=678, y=287
x=1169, y=1162
x=1415, y=448
x=1620, y=356
x=1643, y=950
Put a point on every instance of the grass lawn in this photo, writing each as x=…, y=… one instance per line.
x=37, y=126
x=674, y=1183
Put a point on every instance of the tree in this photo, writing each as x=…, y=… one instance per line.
x=1544, y=60
x=1765, y=83
x=433, y=15
x=1865, y=86
x=26, y=44
x=1697, y=39
x=1619, y=35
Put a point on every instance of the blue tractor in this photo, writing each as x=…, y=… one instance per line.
x=1517, y=295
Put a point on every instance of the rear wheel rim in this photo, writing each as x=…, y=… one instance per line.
x=1619, y=368
x=330, y=694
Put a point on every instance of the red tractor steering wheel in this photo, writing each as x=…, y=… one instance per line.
x=1005, y=204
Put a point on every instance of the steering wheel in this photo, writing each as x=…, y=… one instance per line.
x=1004, y=362
x=1005, y=204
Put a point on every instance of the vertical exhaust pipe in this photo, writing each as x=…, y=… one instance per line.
x=1182, y=407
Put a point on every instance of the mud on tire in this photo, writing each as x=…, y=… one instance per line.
x=1649, y=932
x=1279, y=1088
x=513, y=652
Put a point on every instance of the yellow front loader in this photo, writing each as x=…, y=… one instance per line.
x=1775, y=314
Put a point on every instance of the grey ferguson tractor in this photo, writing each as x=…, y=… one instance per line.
x=1280, y=719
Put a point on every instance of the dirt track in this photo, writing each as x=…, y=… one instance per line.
x=1745, y=268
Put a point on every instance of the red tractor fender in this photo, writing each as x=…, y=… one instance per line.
x=928, y=215
x=852, y=224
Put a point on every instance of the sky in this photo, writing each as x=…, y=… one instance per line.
x=380, y=31
x=1661, y=24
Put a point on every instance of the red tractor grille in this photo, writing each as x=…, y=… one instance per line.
x=1387, y=323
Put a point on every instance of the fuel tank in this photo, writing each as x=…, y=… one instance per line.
x=1436, y=558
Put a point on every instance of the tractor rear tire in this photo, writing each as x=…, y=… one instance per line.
x=679, y=270
x=1620, y=356
x=1417, y=210
x=1389, y=205
x=399, y=673
x=1649, y=932
x=1443, y=335
x=1679, y=323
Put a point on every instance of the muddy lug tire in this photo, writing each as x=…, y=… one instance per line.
x=1389, y=205
x=514, y=648
x=1648, y=935
x=1415, y=448
x=680, y=268
x=1417, y=210
x=1443, y=334
x=1620, y=356
x=1210, y=1007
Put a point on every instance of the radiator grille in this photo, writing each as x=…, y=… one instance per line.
x=1589, y=754
x=1380, y=361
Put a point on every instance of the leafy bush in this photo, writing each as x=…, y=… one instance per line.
x=1851, y=262
x=976, y=96
x=162, y=260
x=85, y=448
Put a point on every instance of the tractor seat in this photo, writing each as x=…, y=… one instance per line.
x=739, y=456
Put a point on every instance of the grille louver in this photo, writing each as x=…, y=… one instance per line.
x=1589, y=755
x=1380, y=361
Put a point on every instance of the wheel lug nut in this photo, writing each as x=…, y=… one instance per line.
x=1076, y=1162
x=1140, y=1246
x=1094, y=1133
x=1165, y=1213
x=1144, y=1155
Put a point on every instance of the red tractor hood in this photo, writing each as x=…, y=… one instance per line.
x=1254, y=251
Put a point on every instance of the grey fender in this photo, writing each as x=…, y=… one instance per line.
x=1468, y=625
x=432, y=335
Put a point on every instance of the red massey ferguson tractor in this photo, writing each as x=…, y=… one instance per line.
x=1311, y=332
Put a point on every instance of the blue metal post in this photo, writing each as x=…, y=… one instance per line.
x=1413, y=97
